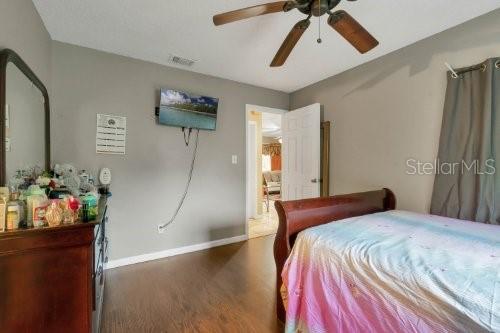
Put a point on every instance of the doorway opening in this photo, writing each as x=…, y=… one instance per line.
x=287, y=159
x=264, y=139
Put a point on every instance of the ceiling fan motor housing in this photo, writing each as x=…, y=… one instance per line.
x=316, y=7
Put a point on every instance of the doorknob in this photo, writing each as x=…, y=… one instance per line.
x=315, y=180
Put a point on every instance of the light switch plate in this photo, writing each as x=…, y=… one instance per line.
x=234, y=159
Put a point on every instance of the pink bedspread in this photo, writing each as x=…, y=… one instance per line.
x=394, y=272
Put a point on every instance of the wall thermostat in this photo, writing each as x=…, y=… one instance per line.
x=105, y=176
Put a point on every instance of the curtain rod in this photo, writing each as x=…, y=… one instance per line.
x=455, y=74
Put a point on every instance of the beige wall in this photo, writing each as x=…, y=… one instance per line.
x=257, y=118
x=150, y=178
x=390, y=109
x=22, y=30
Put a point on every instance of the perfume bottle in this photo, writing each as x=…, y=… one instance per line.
x=4, y=198
x=15, y=212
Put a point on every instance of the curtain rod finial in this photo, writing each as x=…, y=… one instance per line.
x=453, y=73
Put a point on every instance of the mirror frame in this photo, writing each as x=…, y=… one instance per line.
x=8, y=56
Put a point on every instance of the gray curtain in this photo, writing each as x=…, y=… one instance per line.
x=467, y=183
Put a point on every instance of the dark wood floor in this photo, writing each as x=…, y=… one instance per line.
x=225, y=289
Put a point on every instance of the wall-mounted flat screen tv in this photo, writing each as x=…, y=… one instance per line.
x=183, y=109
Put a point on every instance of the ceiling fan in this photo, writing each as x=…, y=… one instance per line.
x=339, y=20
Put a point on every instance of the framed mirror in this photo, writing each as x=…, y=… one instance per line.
x=24, y=118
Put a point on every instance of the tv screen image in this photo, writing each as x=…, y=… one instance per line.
x=183, y=109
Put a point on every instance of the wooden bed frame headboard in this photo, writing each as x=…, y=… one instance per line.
x=295, y=216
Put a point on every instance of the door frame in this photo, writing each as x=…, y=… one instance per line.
x=248, y=109
x=325, y=159
x=251, y=163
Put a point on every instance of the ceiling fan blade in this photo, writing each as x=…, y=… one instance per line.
x=352, y=31
x=241, y=14
x=290, y=42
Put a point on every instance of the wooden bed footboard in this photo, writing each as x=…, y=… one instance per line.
x=295, y=216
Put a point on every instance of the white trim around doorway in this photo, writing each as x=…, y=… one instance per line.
x=248, y=108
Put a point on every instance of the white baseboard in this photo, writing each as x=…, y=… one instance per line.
x=173, y=252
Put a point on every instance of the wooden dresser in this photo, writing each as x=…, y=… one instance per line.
x=52, y=279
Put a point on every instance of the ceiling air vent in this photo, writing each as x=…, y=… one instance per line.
x=181, y=61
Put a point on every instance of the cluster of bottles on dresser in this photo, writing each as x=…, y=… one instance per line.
x=33, y=208
x=12, y=210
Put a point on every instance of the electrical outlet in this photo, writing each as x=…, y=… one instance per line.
x=160, y=229
x=234, y=159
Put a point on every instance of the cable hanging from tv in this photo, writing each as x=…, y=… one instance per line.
x=163, y=226
x=187, y=111
x=186, y=139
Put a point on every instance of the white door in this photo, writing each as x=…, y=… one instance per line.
x=301, y=153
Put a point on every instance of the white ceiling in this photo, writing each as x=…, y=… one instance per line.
x=153, y=29
x=271, y=124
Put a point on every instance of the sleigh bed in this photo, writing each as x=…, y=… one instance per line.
x=352, y=263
